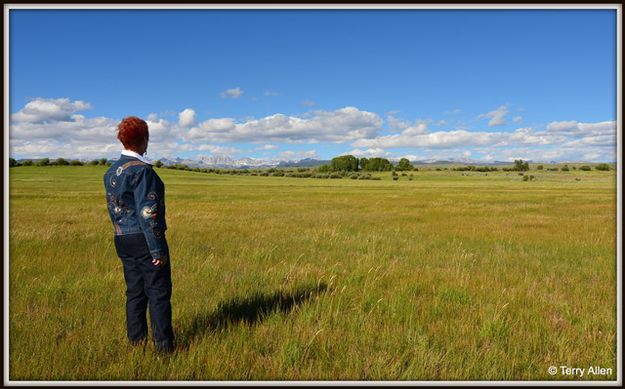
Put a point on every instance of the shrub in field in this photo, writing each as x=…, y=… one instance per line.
x=76, y=162
x=526, y=178
x=532, y=177
x=395, y=178
x=578, y=179
x=27, y=162
x=415, y=169
x=354, y=176
x=521, y=166
x=46, y=162
x=404, y=164
x=410, y=178
x=521, y=174
x=539, y=167
x=264, y=174
x=438, y=169
x=552, y=169
x=376, y=178
x=565, y=168
x=253, y=174
x=585, y=168
x=404, y=174
x=603, y=167
x=335, y=175
x=92, y=163
x=158, y=163
x=394, y=173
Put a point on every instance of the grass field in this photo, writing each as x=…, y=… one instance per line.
x=445, y=277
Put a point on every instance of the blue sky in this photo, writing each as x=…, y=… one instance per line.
x=288, y=84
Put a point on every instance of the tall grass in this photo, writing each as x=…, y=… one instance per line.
x=446, y=277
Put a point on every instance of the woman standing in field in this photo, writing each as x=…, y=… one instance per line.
x=136, y=202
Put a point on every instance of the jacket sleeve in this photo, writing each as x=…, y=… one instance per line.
x=150, y=204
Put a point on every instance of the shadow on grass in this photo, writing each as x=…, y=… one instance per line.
x=249, y=310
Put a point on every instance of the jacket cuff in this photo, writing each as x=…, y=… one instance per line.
x=157, y=254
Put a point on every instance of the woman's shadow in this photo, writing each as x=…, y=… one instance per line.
x=249, y=310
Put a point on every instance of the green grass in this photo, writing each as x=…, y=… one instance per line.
x=445, y=277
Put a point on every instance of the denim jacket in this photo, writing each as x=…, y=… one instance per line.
x=135, y=197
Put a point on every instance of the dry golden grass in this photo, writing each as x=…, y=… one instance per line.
x=446, y=277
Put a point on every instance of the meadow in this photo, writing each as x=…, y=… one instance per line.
x=449, y=276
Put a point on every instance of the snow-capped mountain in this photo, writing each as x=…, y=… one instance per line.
x=224, y=161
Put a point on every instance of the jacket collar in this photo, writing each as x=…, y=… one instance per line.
x=130, y=153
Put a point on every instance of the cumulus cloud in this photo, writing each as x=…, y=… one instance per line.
x=395, y=124
x=497, y=116
x=439, y=139
x=58, y=127
x=341, y=125
x=298, y=154
x=186, y=118
x=267, y=147
x=575, y=128
x=42, y=110
x=232, y=93
x=369, y=153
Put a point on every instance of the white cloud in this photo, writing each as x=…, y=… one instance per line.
x=233, y=93
x=369, y=153
x=582, y=129
x=58, y=128
x=309, y=103
x=186, y=118
x=439, y=139
x=297, y=155
x=42, y=110
x=497, y=116
x=344, y=124
x=267, y=147
x=517, y=119
x=395, y=124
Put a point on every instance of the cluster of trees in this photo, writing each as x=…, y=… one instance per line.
x=472, y=168
x=349, y=163
x=56, y=162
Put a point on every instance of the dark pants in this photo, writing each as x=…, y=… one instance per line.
x=146, y=284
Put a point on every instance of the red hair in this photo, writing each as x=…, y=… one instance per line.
x=132, y=131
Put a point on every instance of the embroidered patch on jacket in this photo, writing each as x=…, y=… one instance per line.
x=119, y=170
x=157, y=233
x=149, y=212
x=113, y=181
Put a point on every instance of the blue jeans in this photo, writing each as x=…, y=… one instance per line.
x=146, y=284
